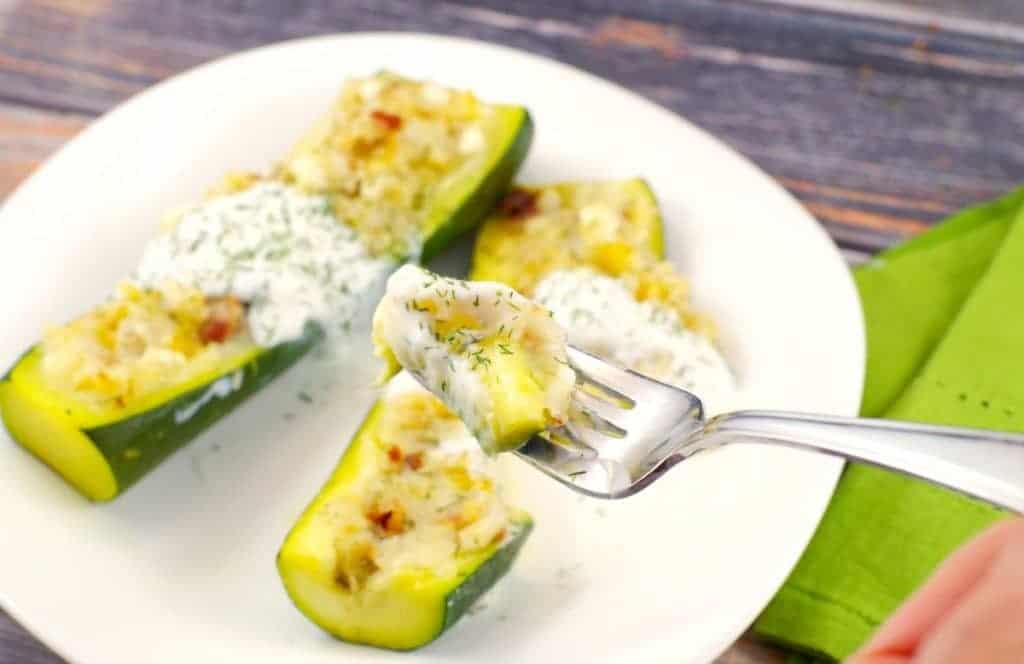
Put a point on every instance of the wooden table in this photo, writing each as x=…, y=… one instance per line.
x=879, y=116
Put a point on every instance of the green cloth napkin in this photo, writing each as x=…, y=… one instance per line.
x=945, y=336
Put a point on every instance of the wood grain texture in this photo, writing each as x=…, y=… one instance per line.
x=880, y=127
x=27, y=137
x=880, y=116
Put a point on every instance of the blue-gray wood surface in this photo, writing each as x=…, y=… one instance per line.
x=881, y=116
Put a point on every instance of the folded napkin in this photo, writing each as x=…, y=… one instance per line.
x=945, y=336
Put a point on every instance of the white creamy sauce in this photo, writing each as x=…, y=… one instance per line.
x=282, y=252
x=604, y=318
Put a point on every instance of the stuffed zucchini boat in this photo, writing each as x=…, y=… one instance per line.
x=407, y=533
x=592, y=253
x=494, y=357
x=237, y=289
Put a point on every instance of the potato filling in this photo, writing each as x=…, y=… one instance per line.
x=427, y=498
x=142, y=341
x=386, y=146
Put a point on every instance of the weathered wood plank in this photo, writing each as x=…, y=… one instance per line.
x=989, y=17
x=27, y=137
x=918, y=122
x=19, y=647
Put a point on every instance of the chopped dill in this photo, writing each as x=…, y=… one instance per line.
x=479, y=359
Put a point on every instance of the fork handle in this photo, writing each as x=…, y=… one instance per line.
x=984, y=464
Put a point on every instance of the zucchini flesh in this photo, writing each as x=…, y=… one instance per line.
x=412, y=605
x=102, y=454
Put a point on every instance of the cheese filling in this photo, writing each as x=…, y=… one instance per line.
x=427, y=498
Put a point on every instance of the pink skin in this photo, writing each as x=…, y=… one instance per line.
x=971, y=609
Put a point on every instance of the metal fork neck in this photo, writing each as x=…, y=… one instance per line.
x=985, y=464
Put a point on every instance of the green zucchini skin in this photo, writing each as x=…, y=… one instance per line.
x=136, y=445
x=459, y=600
x=489, y=190
x=305, y=568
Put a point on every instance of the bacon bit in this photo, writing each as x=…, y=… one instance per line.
x=518, y=203
x=223, y=319
x=415, y=461
x=389, y=522
x=394, y=454
x=389, y=121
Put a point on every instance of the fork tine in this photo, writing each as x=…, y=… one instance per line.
x=601, y=409
x=557, y=447
x=619, y=382
x=566, y=440
x=621, y=425
x=594, y=435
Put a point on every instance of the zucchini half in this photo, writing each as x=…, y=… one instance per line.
x=412, y=605
x=539, y=229
x=103, y=453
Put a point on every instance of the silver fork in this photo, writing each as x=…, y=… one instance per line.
x=627, y=430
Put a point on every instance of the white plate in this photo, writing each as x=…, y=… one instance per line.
x=181, y=568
